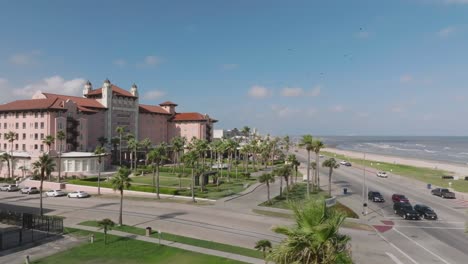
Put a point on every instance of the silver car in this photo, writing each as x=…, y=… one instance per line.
x=55, y=193
x=9, y=188
x=29, y=190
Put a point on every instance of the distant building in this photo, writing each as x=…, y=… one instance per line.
x=86, y=121
x=223, y=133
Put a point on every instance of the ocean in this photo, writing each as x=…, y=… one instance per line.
x=448, y=149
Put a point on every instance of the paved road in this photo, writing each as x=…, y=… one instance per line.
x=424, y=242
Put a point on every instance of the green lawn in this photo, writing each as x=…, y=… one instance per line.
x=128, y=251
x=298, y=194
x=187, y=240
x=426, y=175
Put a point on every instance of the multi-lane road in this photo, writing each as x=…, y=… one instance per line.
x=424, y=241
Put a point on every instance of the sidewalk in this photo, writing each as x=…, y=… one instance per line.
x=176, y=245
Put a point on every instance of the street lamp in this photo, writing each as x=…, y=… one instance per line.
x=364, y=187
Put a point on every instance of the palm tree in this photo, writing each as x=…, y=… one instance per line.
x=177, y=146
x=107, y=225
x=132, y=144
x=102, y=141
x=45, y=165
x=120, y=182
x=330, y=164
x=317, y=146
x=120, y=130
x=263, y=245
x=190, y=160
x=267, y=178
x=11, y=137
x=283, y=172
x=5, y=157
x=307, y=142
x=60, y=138
x=314, y=239
x=99, y=152
x=287, y=143
x=115, y=142
x=146, y=145
x=48, y=140
x=157, y=157
x=246, y=131
x=292, y=159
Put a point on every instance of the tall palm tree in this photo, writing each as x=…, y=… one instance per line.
x=11, y=137
x=146, y=145
x=330, y=164
x=263, y=245
x=106, y=224
x=292, y=159
x=132, y=144
x=177, y=146
x=190, y=159
x=317, y=146
x=315, y=237
x=267, y=178
x=60, y=138
x=156, y=157
x=44, y=165
x=286, y=143
x=283, y=172
x=120, y=182
x=307, y=142
x=100, y=152
x=48, y=140
x=5, y=157
x=115, y=141
x=120, y=131
x=102, y=140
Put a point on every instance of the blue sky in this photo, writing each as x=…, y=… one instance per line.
x=285, y=67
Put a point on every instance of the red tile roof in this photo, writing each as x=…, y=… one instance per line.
x=169, y=103
x=87, y=110
x=191, y=117
x=152, y=109
x=33, y=104
x=80, y=101
x=115, y=89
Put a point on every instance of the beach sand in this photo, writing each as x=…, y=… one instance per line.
x=457, y=169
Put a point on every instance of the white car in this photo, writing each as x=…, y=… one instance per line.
x=29, y=190
x=343, y=162
x=55, y=193
x=78, y=194
x=382, y=174
x=9, y=188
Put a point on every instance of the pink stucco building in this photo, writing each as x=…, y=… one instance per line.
x=86, y=119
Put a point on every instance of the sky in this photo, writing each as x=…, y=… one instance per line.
x=330, y=67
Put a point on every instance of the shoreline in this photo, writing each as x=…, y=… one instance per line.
x=457, y=169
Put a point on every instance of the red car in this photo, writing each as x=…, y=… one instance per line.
x=399, y=198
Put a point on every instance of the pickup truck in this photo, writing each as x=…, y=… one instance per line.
x=444, y=193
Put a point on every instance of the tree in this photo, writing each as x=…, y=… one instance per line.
x=263, y=245
x=307, y=142
x=267, y=178
x=283, y=172
x=286, y=143
x=190, y=160
x=115, y=142
x=102, y=140
x=157, y=157
x=317, y=146
x=120, y=130
x=292, y=159
x=330, y=164
x=5, y=157
x=178, y=144
x=120, y=182
x=11, y=137
x=60, y=138
x=132, y=144
x=107, y=225
x=44, y=165
x=315, y=237
x=246, y=131
x=100, y=152
x=48, y=140
x=146, y=145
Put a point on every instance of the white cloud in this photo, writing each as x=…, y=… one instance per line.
x=54, y=84
x=24, y=59
x=292, y=92
x=152, y=95
x=258, y=91
x=120, y=62
x=337, y=108
x=229, y=66
x=152, y=60
x=315, y=91
x=447, y=31
x=284, y=111
x=406, y=78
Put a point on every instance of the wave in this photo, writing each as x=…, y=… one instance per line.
x=463, y=153
x=430, y=151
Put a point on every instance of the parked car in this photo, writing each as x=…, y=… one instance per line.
x=29, y=190
x=55, y=193
x=399, y=198
x=9, y=188
x=375, y=197
x=425, y=212
x=78, y=194
x=345, y=163
x=444, y=193
x=405, y=210
x=382, y=174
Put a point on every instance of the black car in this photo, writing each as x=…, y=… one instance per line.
x=406, y=211
x=375, y=197
x=425, y=212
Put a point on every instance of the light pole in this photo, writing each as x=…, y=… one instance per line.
x=364, y=187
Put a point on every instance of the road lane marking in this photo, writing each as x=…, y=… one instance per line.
x=397, y=248
x=423, y=247
x=433, y=227
x=395, y=259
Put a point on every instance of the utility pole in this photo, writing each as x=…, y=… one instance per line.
x=364, y=187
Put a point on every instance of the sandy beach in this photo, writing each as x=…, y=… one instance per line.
x=458, y=170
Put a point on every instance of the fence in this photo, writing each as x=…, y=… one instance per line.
x=25, y=228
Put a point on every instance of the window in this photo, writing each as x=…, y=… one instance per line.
x=36, y=125
x=35, y=114
x=16, y=146
x=4, y=146
x=35, y=146
x=60, y=125
x=42, y=125
x=24, y=135
x=24, y=147
x=0, y=135
x=36, y=137
x=42, y=147
x=17, y=125
x=24, y=114
x=42, y=135
x=5, y=125
x=16, y=115
x=42, y=114
x=24, y=125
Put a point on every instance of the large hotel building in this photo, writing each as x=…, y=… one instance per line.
x=85, y=120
